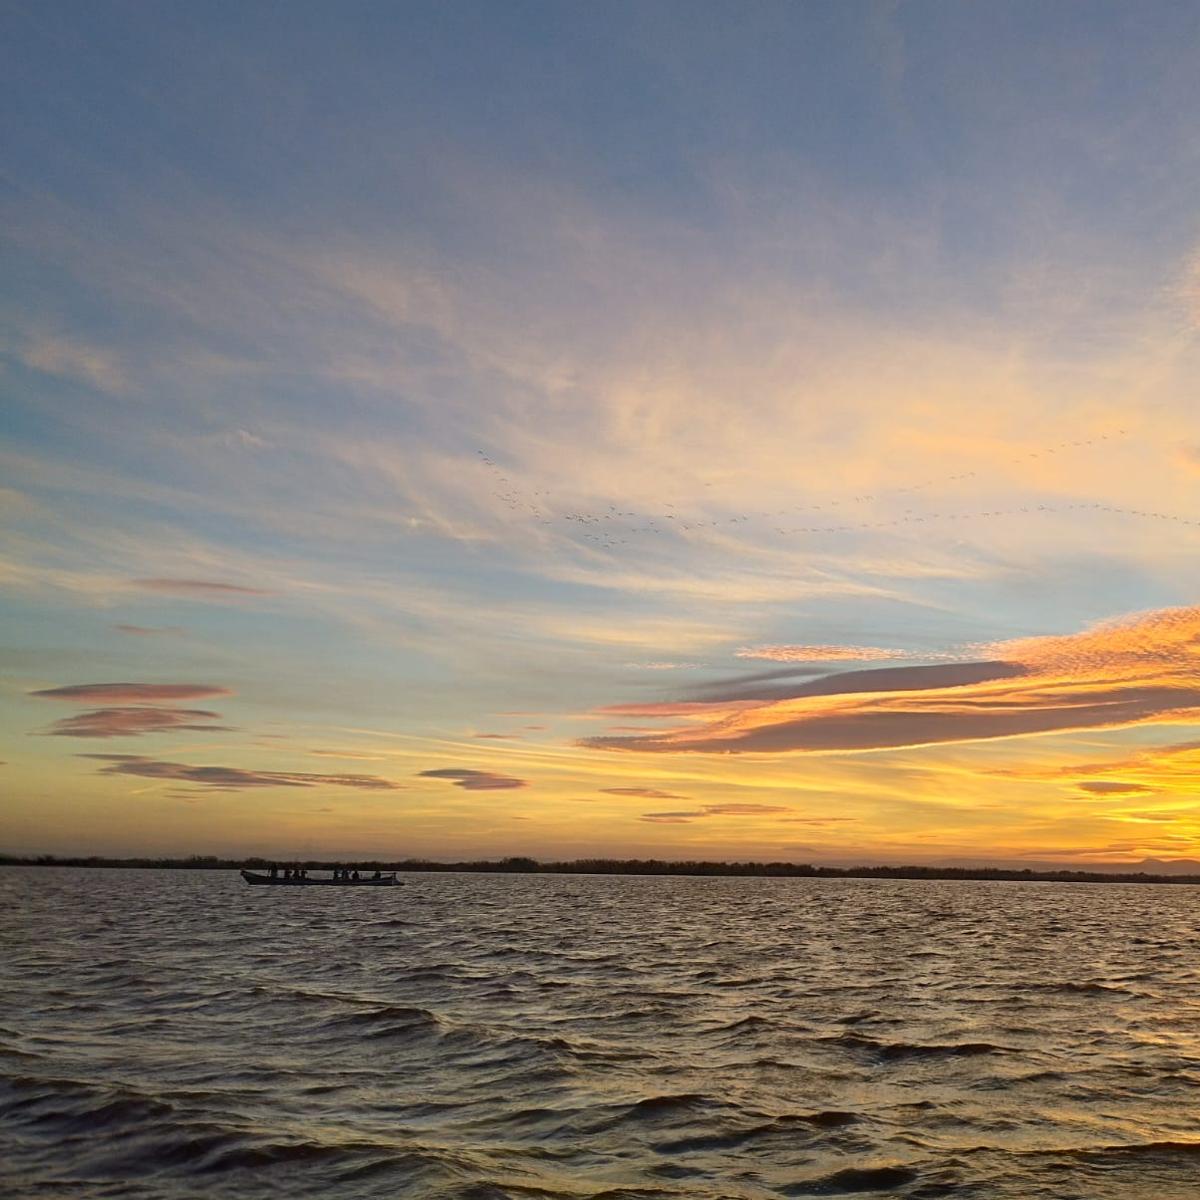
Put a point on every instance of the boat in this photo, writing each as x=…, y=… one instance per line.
x=388, y=880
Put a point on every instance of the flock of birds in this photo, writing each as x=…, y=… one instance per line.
x=614, y=527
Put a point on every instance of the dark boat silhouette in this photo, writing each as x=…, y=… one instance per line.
x=388, y=880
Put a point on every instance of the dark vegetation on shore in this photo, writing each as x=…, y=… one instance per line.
x=609, y=866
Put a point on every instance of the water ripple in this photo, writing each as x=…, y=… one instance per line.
x=172, y=1034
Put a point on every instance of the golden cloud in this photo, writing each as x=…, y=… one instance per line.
x=1140, y=669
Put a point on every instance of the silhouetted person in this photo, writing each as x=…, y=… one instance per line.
x=355, y=875
x=274, y=870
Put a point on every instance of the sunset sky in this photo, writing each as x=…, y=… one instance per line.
x=683, y=430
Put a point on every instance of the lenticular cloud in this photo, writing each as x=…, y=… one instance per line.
x=1142, y=669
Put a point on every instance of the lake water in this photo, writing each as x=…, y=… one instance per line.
x=179, y=1034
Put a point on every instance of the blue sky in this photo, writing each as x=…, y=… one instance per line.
x=338, y=340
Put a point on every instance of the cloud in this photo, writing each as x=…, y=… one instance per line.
x=715, y=810
x=73, y=359
x=201, y=588
x=135, y=693
x=743, y=810
x=1136, y=670
x=645, y=793
x=1113, y=787
x=355, y=755
x=1189, y=457
x=820, y=653
x=498, y=737
x=134, y=720
x=149, y=630
x=675, y=708
x=476, y=781
x=233, y=779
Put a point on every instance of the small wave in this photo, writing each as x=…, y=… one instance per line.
x=788, y=1126
x=1135, y=1151
x=899, y=1051
x=392, y=1020
x=855, y=1179
x=67, y=1105
x=653, y=1106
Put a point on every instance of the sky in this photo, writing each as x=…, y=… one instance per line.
x=704, y=430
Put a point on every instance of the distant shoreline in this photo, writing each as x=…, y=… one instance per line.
x=605, y=866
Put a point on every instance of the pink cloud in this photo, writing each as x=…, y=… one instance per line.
x=232, y=779
x=716, y=810
x=133, y=721
x=134, y=693
x=644, y=793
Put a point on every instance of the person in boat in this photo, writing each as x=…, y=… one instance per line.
x=355, y=875
x=378, y=874
x=274, y=870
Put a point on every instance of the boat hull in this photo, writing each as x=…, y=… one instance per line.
x=279, y=881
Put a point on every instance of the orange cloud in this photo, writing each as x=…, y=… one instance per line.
x=1141, y=669
x=1189, y=456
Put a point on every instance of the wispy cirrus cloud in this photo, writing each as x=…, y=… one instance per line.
x=201, y=588
x=1111, y=787
x=1140, y=669
x=135, y=693
x=232, y=779
x=350, y=755
x=73, y=358
x=150, y=630
x=716, y=810
x=643, y=792
x=820, y=654
x=136, y=720
x=475, y=781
